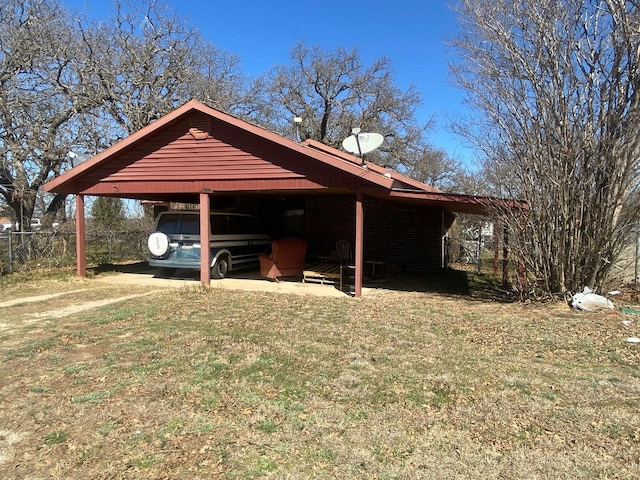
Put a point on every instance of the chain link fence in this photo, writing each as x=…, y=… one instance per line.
x=29, y=250
x=471, y=252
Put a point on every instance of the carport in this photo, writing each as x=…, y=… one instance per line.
x=197, y=154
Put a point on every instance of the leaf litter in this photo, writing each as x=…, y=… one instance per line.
x=202, y=383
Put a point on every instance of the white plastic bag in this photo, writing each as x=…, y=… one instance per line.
x=590, y=302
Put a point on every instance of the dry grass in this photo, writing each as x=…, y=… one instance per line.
x=218, y=384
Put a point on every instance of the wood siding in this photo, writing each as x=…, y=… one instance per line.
x=230, y=159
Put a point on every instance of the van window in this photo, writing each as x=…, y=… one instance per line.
x=168, y=223
x=242, y=224
x=190, y=225
x=220, y=224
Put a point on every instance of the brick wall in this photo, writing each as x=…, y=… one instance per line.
x=329, y=218
x=406, y=235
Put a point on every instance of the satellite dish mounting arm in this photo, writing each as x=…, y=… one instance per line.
x=361, y=143
x=356, y=131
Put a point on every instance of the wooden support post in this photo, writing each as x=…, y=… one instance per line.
x=359, y=244
x=81, y=246
x=205, y=239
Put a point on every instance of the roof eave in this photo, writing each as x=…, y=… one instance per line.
x=453, y=202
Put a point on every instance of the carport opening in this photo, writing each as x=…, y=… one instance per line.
x=397, y=237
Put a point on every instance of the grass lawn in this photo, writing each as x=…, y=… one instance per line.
x=205, y=383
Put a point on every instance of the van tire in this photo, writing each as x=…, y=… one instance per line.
x=221, y=267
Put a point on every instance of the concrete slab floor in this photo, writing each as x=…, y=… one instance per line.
x=451, y=282
x=244, y=280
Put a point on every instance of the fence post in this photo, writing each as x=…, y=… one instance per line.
x=479, y=258
x=635, y=273
x=505, y=257
x=10, y=252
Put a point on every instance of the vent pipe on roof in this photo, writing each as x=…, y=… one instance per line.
x=298, y=121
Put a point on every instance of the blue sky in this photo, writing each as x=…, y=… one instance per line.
x=411, y=33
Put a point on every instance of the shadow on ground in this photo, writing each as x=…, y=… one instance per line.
x=137, y=267
x=451, y=282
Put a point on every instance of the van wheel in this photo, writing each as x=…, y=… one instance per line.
x=221, y=267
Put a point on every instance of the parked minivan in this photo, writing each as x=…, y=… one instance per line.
x=236, y=242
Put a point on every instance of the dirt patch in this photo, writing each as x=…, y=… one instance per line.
x=71, y=309
x=25, y=312
x=8, y=438
x=37, y=298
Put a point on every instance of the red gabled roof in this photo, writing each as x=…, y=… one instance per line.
x=408, y=190
x=401, y=181
x=166, y=159
x=69, y=181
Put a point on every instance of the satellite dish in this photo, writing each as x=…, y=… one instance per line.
x=362, y=143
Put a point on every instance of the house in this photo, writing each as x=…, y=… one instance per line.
x=199, y=155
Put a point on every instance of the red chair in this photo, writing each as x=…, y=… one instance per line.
x=286, y=258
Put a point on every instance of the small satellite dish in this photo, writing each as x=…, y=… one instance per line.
x=362, y=143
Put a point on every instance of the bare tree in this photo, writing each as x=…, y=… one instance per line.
x=68, y=84
x=434, y=167
x=147, y=61
x=556, y=85
x=332, y=92
x=38, y=112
